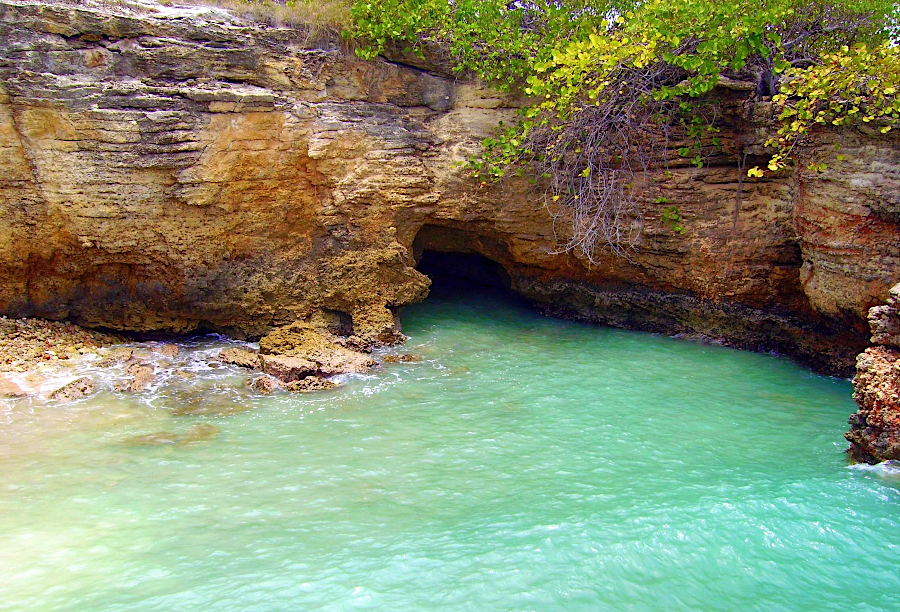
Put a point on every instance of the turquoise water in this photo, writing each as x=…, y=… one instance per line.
x=525, y=464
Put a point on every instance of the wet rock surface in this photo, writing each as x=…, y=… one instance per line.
x=874, y=433
x=310, y=384
x=403, y=358
x=75, y=390
x=264, y=385
x=141, y=378
x=299, y=353
x=167, y=350
x=240, y=357
x=285, y=368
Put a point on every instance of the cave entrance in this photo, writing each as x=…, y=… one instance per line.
x=458, y=261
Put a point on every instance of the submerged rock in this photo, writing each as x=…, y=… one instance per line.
x=159, y=438
x=74, y=390
x=201, y=432
x=405, y=358
x=205, y=405
x=874, y=433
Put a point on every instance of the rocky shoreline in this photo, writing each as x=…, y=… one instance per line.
x=295, y=358
x=27, y=342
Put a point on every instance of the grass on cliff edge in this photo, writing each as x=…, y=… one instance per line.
x=323, y=17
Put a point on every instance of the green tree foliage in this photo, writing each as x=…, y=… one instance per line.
x=617, y=85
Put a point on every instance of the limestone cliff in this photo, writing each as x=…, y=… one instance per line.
x=875, y=429
x=166, y=168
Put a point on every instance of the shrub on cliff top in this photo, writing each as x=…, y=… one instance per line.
x=614, y=84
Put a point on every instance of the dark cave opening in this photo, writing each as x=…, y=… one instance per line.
x=454, y=272
x=461, y=261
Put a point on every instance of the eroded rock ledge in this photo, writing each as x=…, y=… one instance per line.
x=875, y=429
x=175, y=168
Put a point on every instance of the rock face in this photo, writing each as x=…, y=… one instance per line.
x=166, y=168
x=875, y=429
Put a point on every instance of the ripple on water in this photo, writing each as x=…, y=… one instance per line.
x=524, y=464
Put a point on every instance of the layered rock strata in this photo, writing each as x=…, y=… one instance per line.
x=175, y=168
x=875, y=429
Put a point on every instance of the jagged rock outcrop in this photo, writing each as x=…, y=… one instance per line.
x=166, y=168
x=875, y=429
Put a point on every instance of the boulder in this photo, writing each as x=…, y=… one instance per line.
x=318, y=353
x=884, y=321
x=264, y=384
x=75, y=390
x=286, y=368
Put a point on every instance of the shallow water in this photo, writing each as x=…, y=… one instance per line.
x=525, y=464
